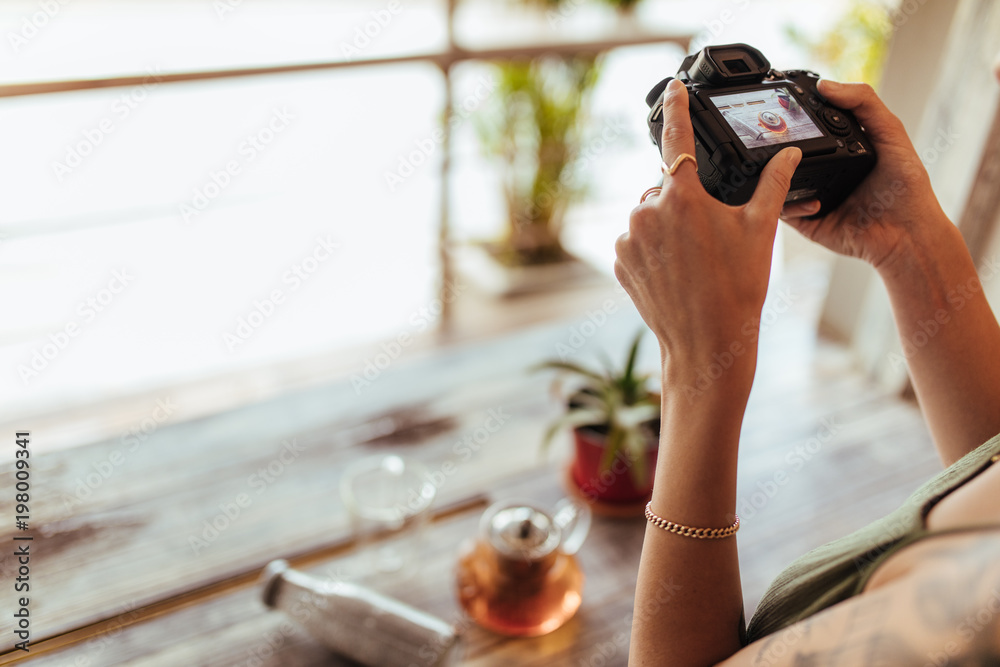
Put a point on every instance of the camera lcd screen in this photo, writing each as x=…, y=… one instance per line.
x=766, y=117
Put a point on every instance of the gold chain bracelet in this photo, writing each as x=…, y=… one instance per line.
x=688, y=531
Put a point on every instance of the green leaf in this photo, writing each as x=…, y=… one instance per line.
x=570, y=367
x=573, y=419
x=590, y=401
x=632, y=416
x=615, y=439
x=607, y=365
x=621, y=402
x=628, y=377
x=636, y=446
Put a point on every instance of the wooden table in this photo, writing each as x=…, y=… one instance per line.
x=124, y=570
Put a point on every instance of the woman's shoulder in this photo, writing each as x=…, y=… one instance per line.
x=968, y=515
x=943, y=610
x=953, y=593
x=966, y=493
x=975, y=502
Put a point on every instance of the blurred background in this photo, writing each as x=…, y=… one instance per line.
x=175, y=223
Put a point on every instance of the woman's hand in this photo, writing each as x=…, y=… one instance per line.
x=697, y=269
x=949, y=335
x=891, y=210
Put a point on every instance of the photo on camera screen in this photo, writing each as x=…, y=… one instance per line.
x=766, y=117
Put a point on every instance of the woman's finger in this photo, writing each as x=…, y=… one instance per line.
x=678, y=135
x=799, y=209
x=871, y=112
x=773, y=185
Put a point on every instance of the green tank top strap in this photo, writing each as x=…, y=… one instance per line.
x=912, y=538
x=837, y=571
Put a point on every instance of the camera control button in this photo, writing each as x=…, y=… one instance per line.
x=857, y=147
x=840, y=143
x=838, y=124
x=799, y=90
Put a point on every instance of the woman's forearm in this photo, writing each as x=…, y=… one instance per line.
x=689, y=603
x=950, y=338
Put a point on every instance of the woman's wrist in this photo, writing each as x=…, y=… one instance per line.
x=934, y=245
x=698, y=452
x=725, y=372
x=925, y=279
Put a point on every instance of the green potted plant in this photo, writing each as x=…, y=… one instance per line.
x=534, y=125
x=615, y=417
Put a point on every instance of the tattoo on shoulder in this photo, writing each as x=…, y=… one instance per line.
x=943, y=599
x=880, y=649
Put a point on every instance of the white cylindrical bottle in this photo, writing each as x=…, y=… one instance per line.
x=358, y=623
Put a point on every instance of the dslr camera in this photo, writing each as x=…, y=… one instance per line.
x=743, y=112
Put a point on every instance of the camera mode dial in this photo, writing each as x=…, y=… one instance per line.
x=836, y=122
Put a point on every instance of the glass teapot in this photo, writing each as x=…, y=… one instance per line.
x=520, y=576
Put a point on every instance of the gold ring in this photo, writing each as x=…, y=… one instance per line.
x=677, y=163
x=655, y=189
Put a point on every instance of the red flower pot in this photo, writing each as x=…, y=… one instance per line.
x=609, y=486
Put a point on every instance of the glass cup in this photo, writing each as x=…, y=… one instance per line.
x=389, y=500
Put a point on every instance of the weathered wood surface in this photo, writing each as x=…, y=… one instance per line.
x=128, y=542
x=236, y=628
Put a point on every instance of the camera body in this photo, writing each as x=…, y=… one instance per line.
x=743, y=113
